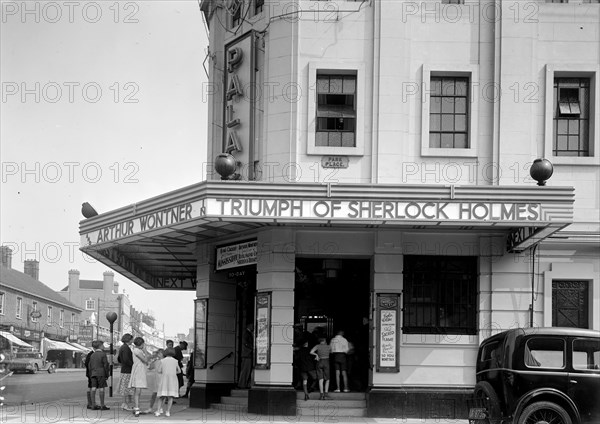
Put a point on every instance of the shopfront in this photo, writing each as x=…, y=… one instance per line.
x=412, y=274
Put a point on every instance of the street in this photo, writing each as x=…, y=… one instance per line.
x=45, y=387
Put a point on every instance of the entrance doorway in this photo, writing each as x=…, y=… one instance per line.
x=333, y=295
x=245, y=296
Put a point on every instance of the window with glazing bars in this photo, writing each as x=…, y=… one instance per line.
x=440, y=294
x=336, y=110
x=571, y=117
x=449, y=112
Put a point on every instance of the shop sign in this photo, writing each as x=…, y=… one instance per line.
x=388, y=210
x=235, y=255
x=334, y=161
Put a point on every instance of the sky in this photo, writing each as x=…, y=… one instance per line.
x=102, y=102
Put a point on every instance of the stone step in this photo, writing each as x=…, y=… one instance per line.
x=328, y=412
x=333, y=395
x=235, y=400
x=239, y=393
x=229, y=407
x=331, y=403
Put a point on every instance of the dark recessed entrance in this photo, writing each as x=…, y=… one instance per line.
x=332, y=295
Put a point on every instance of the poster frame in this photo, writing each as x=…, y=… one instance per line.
x=200, y=318
x=263, y=301
x=388, y=302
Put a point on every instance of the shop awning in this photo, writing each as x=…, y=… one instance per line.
x=58, y=345
x=14, y=339
x=155, y=242
x=79, y=347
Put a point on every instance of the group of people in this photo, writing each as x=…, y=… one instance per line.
x=161, y=372
x=315, y=363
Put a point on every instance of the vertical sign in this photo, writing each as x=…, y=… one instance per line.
x=387, y=341
x=263, y=331
x=200, y=324
x=240, y=96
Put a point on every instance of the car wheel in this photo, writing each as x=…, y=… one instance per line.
x=484, y=390
x=35, y=368
x=544, y=412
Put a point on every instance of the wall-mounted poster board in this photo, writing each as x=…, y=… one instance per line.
x=200, y=327
x=262, y=358
x=388, y=313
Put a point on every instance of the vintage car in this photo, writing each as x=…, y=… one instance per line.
x=29, y=362
x=538, y=375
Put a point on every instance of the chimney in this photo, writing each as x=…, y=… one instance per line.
x=6, y=256
x=32, y=268
x=109, y=283
x=73, y=280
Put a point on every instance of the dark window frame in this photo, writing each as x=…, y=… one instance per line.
x=440, y=295
x=571, y=131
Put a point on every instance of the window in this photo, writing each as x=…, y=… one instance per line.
x=19, y=309
x=90, y=305
x=34, y=309
x=570, y=303
x=258, y=6
x=72, y=318
x=571, y=117
x=61, y=317
x=586, y=354
x=234, y=9
x=440, y=294
x=544, y=352
x=1, y=303
x=336, y=110
x=449, y=113
x=49, y=316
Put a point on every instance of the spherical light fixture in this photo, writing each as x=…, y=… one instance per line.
x=541, y=170
x=225, y=165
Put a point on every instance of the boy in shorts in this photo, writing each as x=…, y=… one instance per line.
x=321, y=353
x=98, y=374
x=86, y=363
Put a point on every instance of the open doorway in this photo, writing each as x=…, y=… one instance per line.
x=332, y=295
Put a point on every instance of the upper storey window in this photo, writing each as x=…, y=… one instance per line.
x=449, y=113
x=571, y=117
x=336, y=110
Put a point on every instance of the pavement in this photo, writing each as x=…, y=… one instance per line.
x=74, y=411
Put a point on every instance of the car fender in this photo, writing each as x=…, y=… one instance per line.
x=548, y=394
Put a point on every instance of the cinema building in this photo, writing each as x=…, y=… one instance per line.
x=370, y=171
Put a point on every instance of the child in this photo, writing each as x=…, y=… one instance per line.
x=168, y=386
x=321, y=353
x=98, y=374
x=138, y=372
x=152, y=378
x=86, y=363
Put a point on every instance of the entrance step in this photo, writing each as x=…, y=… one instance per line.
x=338, y=405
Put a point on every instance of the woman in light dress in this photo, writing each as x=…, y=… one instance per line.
x=138, y=372
x=168, y=385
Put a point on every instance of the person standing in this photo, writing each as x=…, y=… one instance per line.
x=321, y=353
x=168, y=387
x=306, y=367
x=189, y=373
x=247, y=354
x=86, y=364
x=179, y=356
x=98, y=374
x=339, y=349
x=125, y=358
x=138, y=372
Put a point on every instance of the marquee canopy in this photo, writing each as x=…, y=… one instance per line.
x=154, y=242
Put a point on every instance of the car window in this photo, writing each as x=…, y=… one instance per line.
x=586, y=354
x=491, y=355
x=544, y=352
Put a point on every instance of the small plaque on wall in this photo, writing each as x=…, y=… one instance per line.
x=334, y=161
x=200, y=324
x=388, y=306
